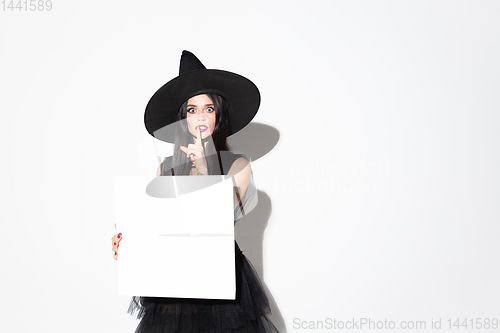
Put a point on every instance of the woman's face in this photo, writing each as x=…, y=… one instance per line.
x=200, y=113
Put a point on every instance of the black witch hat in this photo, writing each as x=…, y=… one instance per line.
x=241, y=94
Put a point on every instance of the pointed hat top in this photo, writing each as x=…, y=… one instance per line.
x=189, y=63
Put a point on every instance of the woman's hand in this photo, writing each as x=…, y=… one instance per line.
x=195, y=153
x=115, y=242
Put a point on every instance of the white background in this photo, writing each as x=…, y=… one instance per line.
x=384, y=184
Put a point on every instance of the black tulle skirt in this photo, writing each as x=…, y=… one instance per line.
x=247, y=313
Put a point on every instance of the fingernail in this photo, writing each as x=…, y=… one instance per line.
x=116, y=253
x=119, y=235
x=114, y=243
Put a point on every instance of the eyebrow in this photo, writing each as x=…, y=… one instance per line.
x=194, y=105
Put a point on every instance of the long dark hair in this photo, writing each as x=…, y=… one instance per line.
x=216, y=142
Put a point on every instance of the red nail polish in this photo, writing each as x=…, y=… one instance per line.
x=116, y=253
x=114, y=243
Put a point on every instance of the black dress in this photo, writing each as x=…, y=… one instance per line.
x=247, y=313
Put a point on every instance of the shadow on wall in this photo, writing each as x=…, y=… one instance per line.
x=249, y=233
x=255, y=140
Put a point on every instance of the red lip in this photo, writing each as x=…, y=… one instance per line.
x=203, y=128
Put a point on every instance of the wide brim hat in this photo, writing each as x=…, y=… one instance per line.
x=241, y=94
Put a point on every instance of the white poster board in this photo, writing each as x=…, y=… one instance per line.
x=179, y=243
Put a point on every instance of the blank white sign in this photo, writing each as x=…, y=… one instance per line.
x=176, y=247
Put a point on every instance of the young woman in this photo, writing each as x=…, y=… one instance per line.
x=197, y=111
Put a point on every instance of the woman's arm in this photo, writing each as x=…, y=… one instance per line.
x=241, y=171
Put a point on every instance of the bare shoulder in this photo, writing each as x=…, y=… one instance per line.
x=241, y=165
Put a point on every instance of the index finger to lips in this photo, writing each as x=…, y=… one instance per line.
x=198, y=137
